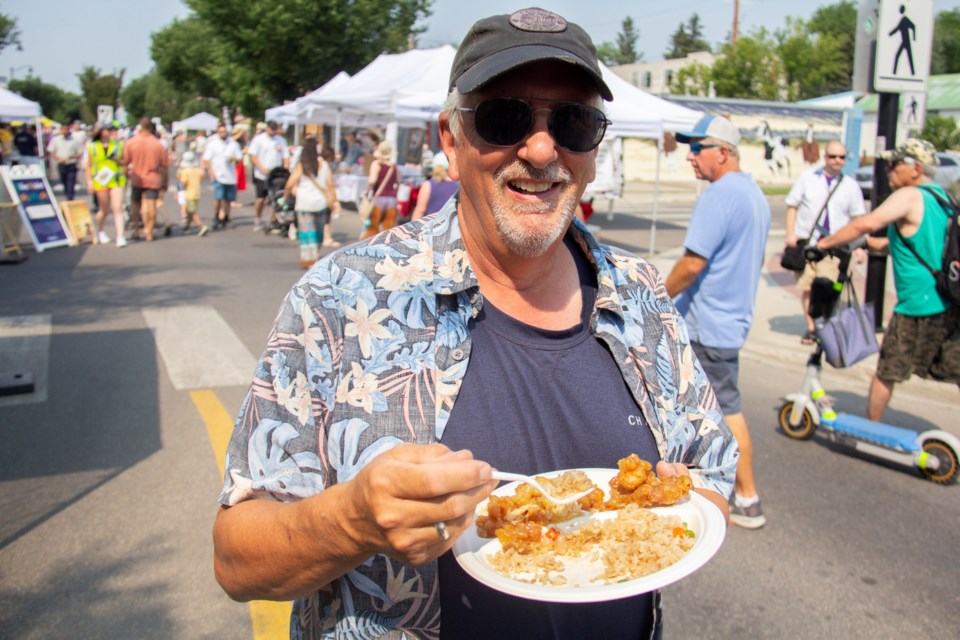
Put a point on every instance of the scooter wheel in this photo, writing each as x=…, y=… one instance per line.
x=801, y=431
x=947, y=473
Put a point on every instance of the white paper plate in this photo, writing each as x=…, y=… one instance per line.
x=701, y=515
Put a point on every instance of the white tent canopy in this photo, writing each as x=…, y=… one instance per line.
x=15, y=107
x=202, y=121
x=295, y=112
x=633, y=109
x=371, y=97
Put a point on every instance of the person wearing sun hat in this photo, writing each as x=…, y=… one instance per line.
x=923, y=336
x=725, y=243
x=494, y=333
x=382, y=185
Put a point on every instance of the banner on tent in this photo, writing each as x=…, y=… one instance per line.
x=609, y=181
x=28, y=186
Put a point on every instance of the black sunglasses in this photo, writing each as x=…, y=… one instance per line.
x=840, y=156
x=697, y=147
x=504, y=122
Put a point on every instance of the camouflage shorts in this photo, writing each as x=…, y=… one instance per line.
x=928, y=346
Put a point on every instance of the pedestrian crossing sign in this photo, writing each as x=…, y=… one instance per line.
x=904, y=46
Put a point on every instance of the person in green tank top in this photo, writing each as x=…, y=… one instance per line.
x=923, y=337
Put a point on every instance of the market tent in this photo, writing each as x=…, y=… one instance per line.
x=633, y=108
x=372, y=95
x=15, y=107
x=294, y=112
x=202, y=121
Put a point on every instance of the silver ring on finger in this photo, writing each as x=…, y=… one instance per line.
x=442, y=530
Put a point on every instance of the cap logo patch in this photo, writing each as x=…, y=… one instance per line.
x=538, y=21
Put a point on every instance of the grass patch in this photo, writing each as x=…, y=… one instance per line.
x=775, y=189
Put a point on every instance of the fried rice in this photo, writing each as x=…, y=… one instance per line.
x=634, y=543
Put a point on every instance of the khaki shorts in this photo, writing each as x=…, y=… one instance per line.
x=192, y=206
x=829, y=268
x=928, y=346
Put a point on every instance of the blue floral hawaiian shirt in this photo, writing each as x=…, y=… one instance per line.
x=369, y=350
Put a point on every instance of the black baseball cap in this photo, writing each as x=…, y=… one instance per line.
x=499, y=44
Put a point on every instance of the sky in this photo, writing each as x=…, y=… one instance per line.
x=61, y=37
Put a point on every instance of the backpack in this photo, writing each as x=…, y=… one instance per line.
x=947, y=276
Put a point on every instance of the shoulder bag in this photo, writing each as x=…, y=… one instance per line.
x=793, y=258
x=847, y=337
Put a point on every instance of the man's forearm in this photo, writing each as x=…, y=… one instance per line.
x=303, y=548
x=685, y=272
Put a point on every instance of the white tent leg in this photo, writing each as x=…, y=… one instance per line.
x=656, y=200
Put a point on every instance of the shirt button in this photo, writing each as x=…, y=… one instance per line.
x=457, y=354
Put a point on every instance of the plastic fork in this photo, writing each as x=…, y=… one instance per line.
x=509, y=477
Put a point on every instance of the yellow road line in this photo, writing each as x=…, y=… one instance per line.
x=270, y=620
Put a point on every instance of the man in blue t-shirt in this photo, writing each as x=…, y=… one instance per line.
x=715, y=282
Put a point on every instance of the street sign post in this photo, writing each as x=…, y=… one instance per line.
x=913, y=111
x=904, y=45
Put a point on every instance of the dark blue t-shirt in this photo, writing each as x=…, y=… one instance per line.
x=534, y=401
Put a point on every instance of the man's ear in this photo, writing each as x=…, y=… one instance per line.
x=448, y=144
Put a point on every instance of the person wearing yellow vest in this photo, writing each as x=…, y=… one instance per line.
x=105, y=176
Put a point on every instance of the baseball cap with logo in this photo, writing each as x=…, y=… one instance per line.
x=920, y=150
x=716, y=127
x=499, y=44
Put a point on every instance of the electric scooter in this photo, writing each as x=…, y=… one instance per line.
x=933, y=452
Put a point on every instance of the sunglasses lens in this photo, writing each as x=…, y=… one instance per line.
x=503, y=122
x=578, y=128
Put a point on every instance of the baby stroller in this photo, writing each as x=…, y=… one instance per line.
x=282, y=209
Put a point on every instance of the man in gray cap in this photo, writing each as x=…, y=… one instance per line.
x=495, y=333
x=923, y=337
x=715, y=282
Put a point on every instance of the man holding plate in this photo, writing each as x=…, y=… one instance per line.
x=496, y=333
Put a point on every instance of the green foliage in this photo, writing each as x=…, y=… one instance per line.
x=692, y=80
x=687, y=39
x=624, y=51
x=254, y=53
x=627, y=42
x=749, y=68
x=941, y=132
x=56, y=103
x=805, y=59
x=153, y=95
x=816, y=64
x=946, y=43
x=98, y=89
x=9, y=33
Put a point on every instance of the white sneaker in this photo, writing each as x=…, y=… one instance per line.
x=103, y=237
x=121, y=242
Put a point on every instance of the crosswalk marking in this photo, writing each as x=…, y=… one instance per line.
x=25, y=348
x=270, y=620
x=199, y=348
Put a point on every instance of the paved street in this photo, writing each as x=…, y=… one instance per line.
x=110, y=471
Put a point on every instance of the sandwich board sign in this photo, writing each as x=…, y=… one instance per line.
x=904, y=46
x=28, y=187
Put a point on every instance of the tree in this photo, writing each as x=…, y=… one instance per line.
x=946, y=43
x=9, y=33
x=692, y=80
x=627, y=42
x=941, y=132
x=687, y=39
x=815, y=64
x=56, y=103
x=750, y=68
x=276, y=50
x=625, y=49
x=98, y=89
x=152, y=95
